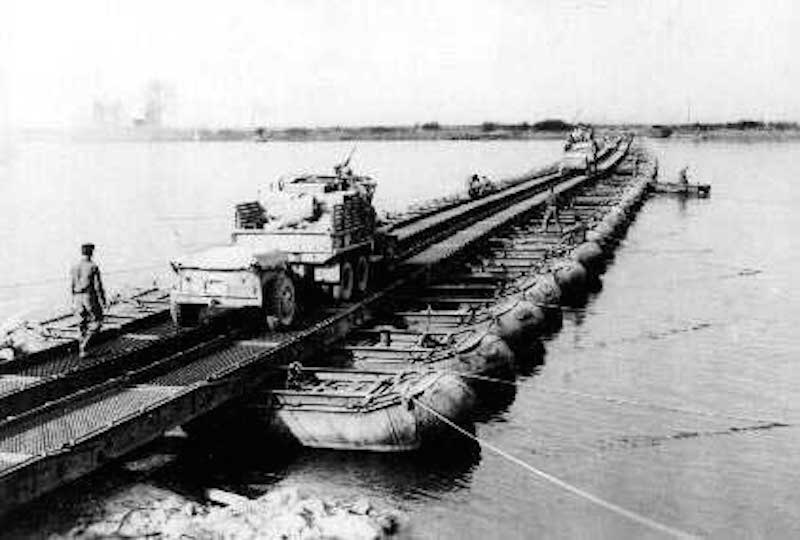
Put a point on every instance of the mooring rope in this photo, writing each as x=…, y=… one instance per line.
x=629, y=514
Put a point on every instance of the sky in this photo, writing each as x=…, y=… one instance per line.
x=359, y=62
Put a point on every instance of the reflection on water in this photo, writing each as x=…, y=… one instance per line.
x=494, y=399
x=445, y=467
x=530, y=360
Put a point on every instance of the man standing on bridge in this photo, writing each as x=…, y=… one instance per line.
x=88, y=296
x=551, y=211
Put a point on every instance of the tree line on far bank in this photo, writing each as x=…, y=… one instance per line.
x=551, y=125
x=544, y=125
x=740, y=125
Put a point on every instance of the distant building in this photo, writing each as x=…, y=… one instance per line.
x=157, y=95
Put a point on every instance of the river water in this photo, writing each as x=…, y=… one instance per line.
x=662, y=396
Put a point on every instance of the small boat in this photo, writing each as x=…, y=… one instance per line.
x=695, y=190
x=473, y=351
x=350, y=409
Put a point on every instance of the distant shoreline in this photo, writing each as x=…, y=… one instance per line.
x=425, y=132
x=744, y=135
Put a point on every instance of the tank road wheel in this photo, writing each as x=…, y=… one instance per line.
x=280, y=302
x=343, y=291
x=362, y=274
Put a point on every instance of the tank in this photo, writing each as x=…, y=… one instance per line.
x=580, y=151
x=313, y=231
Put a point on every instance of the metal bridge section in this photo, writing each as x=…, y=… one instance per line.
x=61, y=419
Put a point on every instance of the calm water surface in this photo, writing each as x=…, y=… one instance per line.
x=659, y=396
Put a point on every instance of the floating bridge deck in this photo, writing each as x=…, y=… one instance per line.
x=61, y=418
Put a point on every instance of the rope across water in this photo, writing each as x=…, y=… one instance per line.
x=629, y=514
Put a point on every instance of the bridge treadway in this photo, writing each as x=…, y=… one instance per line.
x=86, y=430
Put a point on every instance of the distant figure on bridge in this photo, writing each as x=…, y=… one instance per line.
x=551, y=211
x=683, y=177
x=479, y=186
x=88, y=296
x=474, y=186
